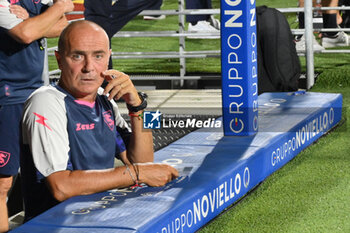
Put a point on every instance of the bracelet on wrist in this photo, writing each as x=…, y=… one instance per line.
x=135, y=180
x=137, y=177
x=140, y=116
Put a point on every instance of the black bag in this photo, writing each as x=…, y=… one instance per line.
x=278, y=61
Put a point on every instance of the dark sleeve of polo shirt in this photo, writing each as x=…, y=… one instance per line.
x=125, y=135
x=122, y=139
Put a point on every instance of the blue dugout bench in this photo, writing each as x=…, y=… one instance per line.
x=216, y=171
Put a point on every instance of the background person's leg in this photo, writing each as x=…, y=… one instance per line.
x=5, y=185
x=197, y=4
x=112, y=18
x=156, y=6
x=10, y=120
x=332, y=39
x=330, y=16
x=300, y=39
x=201, y=23
x=301, y=15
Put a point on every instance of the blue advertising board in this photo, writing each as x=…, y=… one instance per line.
x=215, y=172
x=239, y=70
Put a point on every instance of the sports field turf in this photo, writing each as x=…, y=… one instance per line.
x=312, y=192
x=309, y=194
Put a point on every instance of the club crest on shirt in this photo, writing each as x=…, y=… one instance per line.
x=7, y=90
x=107, y=115
x=4, y=158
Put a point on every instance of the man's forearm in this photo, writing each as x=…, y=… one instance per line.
x=66, y=184
x=140, y=149
x=37, y=27
x=56, y=29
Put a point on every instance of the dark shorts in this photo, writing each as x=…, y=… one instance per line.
x=113, y=18
x=10, y=120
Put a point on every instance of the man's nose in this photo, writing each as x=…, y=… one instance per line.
x=88, y=66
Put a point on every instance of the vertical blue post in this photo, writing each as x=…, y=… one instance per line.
x=239, y=69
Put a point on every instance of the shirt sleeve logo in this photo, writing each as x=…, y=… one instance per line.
x=12, y=2
x=107, y=115
x=4, y=158
x=42, y=120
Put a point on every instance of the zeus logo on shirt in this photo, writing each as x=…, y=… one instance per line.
x=85, y=126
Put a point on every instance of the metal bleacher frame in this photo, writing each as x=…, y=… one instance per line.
x=182, y=53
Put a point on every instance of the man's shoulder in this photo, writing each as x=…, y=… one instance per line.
x=4, y=3
x=47, y=101
x=46, y=94
x=49, y=91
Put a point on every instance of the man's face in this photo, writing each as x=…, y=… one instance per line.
x=86, y=55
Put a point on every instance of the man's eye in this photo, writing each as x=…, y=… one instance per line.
x=98, y=56
x=77, y=56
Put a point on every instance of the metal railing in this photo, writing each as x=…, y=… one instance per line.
x=182, y=54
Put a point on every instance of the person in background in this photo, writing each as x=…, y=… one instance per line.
x=155, y=7
x=22, y=25
x=196, y=23
x=329, y=39
x=72, y=132
x=202, y=23
x=113, y=15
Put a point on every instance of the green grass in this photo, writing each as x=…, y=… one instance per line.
x=312, y=192
x=309, y=194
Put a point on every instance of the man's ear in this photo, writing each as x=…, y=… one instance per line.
x=58, y=58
